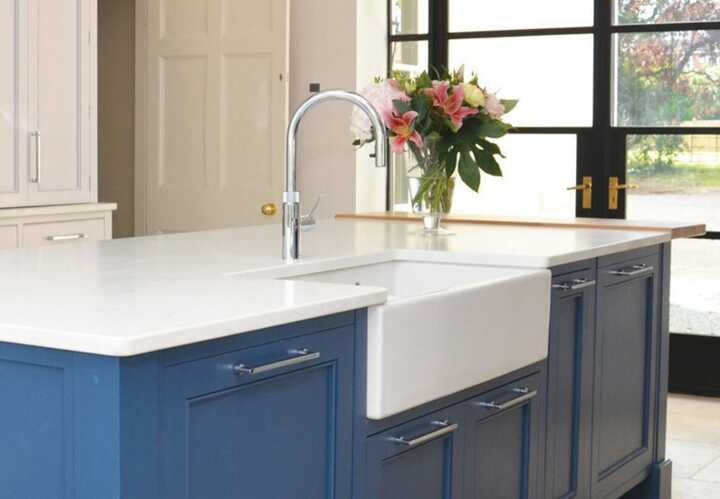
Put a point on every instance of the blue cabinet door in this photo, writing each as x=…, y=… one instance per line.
x=270, y=422
x=421, y=459
x=503, y=442
x=625, y=373
x=570, y=385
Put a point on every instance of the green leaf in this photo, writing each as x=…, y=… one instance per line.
x=494, y=129
x=509, y=104
x=469, y=172
x=490, y=147
x=401, y=106
x=486, y=162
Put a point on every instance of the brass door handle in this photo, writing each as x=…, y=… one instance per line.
x=586, y=188
x=614, y=186
x=269, y=209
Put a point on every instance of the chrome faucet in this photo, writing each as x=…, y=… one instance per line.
x=291, y=197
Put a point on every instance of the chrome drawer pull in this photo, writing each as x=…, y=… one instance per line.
x=298, y=357
x=67, y=237
x=525, y=395
x=445, y=428
x=633, y=270
x=35, y=176
x=574, y=285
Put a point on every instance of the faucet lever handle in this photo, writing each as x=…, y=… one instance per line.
x=308, y=220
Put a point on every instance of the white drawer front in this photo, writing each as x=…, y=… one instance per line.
x=8, y=236
x=39, y=234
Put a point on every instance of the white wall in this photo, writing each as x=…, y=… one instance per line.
x=339, y=44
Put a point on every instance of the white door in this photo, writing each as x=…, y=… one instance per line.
x=13, y=112
x=61, y=88
x=214, y=112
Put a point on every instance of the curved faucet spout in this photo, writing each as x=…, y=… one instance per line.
x=291, y=197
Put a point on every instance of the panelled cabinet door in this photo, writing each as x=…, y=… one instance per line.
x=422, y=459
x=61, y=83
x=271, y=422
x=13, y=98
x=503, y=446
x=625, y=379
x=570, y=374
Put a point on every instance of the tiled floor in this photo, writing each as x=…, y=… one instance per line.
x=694, y=446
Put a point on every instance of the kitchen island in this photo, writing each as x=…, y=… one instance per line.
x=200, y=366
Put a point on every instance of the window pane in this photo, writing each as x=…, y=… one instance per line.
x=491, y=15
x=536, y=172
x=411, y=57
x=410, y=17
x=667, y=79
x=665, y=11
x=678, y=178
x=694, y=290
x=552, y=76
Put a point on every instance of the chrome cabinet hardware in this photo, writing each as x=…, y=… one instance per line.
x=633, y=270
x=297, y=357
x=574, y=285
x=524, y=395
x=444, y=428
x=67, y=237
x=35, y=175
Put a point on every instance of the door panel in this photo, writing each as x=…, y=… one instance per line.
x=283, y=432
x=13, y=135
x=216, y=113
x=569, y=403
x=61, y=84
x=624, y=411
x=503, y=451
x=399, y=469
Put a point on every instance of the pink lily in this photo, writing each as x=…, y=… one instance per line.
x=402, y=127
x=451, y=104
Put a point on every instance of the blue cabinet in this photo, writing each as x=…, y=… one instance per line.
x=570, y=384
x=625, y=394
x=271, y=422
x=422, y=459
x=484, y=446
x=503, y=444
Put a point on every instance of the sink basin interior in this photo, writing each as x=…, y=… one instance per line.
x=405, y=278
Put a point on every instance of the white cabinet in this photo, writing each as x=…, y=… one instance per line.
x=47, y=102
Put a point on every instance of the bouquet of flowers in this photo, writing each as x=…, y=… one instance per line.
x=446, y=124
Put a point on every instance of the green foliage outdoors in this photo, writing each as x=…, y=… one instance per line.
x=668, y=78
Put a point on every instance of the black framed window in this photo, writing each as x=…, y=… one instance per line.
x=616, y=90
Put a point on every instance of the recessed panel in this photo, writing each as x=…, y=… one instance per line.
x=183, y=18
x=247, y=123
x=59, y=86
x=243, y=16
x=8, y=96
x=182, y=127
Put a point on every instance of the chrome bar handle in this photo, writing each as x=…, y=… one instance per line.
x=445, y=429
x=575, y=285
x=298, y=357
x=525, y=395
x=633, y=270
x=35, y=175
x=67, y=237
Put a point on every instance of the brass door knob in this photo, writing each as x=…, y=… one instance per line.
x=613, y=187
x=586, y=189
x=268, y=209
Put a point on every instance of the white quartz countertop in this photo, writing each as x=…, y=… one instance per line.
x=132, y=296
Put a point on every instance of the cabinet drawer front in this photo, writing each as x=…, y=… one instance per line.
x=421, y=459
x=282, y=428
x=8, y=236
x=40, y=234
x=503, y=450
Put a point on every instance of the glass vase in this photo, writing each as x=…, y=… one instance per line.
x=430, y=189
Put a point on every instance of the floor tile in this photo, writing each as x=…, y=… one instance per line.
x=710, y=473
x=690, y=457
x=694, y=419
x=684, y=488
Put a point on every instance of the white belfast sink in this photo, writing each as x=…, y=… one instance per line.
x=446, y=327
